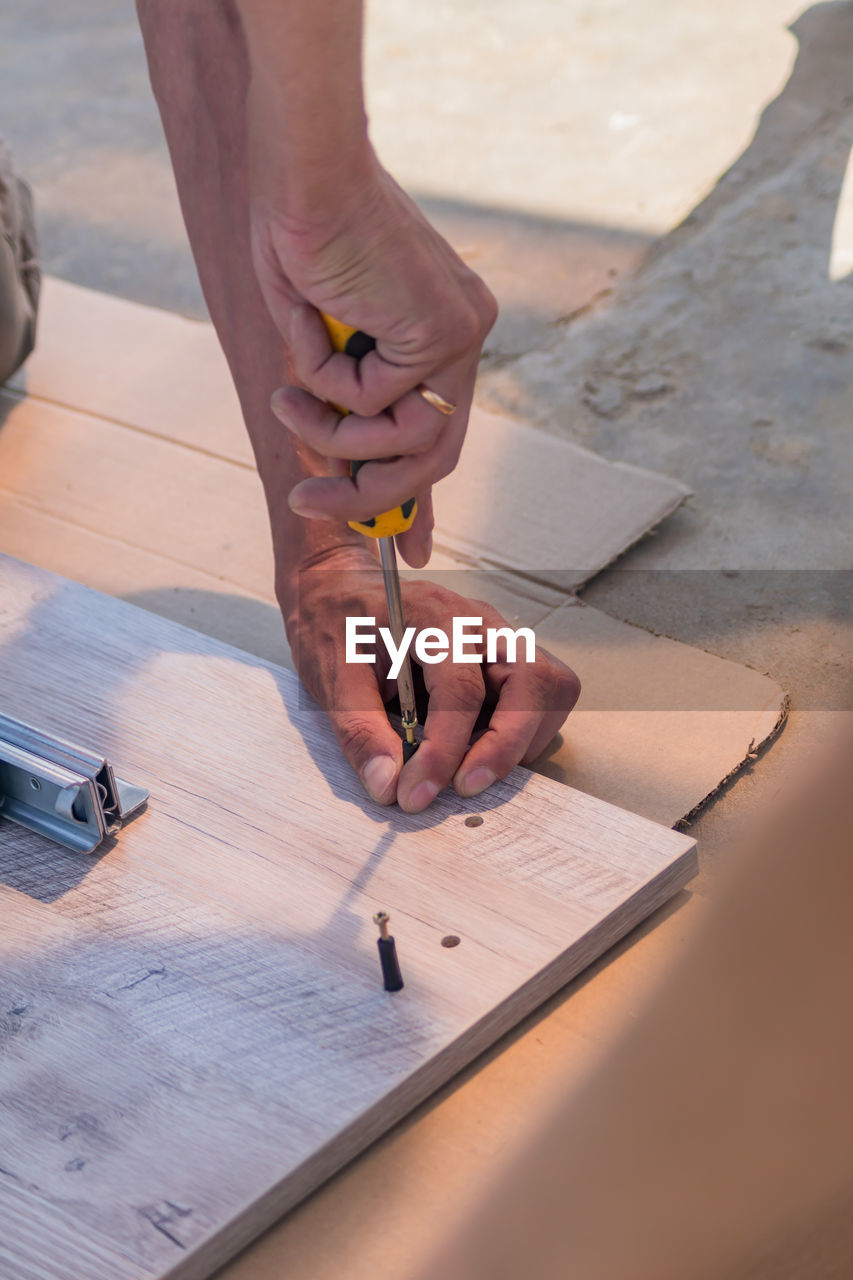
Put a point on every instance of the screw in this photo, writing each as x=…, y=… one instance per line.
x=391, y=977
x=381, y=919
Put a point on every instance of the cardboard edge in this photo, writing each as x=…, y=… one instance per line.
x=754, y=752
x=545, y=577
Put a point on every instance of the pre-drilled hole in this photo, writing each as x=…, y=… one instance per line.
x=451, y=940
x=474, y=820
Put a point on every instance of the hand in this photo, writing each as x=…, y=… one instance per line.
x=372, y=261
x=529, y=701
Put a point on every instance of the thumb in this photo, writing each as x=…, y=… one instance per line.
x=367, y=737
x=281, y=298
x=415, y=545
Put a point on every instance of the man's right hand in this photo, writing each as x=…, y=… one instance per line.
x=526, y=702
x=378, y=265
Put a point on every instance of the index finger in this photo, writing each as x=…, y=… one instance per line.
x=533, y=702
x=456, y=695
x=369, y=385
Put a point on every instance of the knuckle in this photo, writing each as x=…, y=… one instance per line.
x=422, y=336
x=431, y=600
x=356, y=738
x=568, y=688
x=556, y=686
x=491, y=617
x=542, y=681
x=467, y=329
x=465, y=689
x=487, y=306
x=370, y=403
x=414, y=432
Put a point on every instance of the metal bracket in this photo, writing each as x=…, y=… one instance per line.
x=60, y=790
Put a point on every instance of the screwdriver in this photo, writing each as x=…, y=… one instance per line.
x=384, y=528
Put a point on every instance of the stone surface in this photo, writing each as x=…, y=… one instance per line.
x=550, y=141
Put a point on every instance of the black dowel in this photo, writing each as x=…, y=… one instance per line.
x=391, y=975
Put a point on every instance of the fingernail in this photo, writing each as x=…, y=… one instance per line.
x=310, y=513
x=476, y=781
x=378, y=775
x=278, y=404
x=422, y=796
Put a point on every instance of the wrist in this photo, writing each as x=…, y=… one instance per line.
x=314, y=556
x=308, y=188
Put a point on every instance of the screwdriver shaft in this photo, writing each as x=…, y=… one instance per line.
x=405, y=686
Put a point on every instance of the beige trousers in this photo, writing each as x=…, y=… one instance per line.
x=20, y=274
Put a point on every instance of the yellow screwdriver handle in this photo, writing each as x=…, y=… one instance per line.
x=353, y=342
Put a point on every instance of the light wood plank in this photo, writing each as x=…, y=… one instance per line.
x=201, y=1037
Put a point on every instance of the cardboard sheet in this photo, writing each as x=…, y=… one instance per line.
x=659, y=723
x=135, y=365
x=127, y=468
x=543, y=507
x=573, y=512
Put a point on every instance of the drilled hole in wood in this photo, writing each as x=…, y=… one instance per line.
x=451, y=940
x=474, y=820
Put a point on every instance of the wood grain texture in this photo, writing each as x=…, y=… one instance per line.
x=194, y=1035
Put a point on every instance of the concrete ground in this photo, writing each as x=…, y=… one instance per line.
x=651, y=310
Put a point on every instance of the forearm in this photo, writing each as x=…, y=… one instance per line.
x=306, y=85
x=289, y=213
x=200, y=74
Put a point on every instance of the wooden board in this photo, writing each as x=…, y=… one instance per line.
x=194, y=1031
